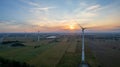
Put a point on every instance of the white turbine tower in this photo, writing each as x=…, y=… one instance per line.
x=83, y=64
x=83, y=45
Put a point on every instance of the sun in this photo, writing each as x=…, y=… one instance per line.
x=71, y=27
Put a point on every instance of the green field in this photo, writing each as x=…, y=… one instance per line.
x=65, y=52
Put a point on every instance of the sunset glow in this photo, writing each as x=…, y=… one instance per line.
x=72, y=27
x=58, y=16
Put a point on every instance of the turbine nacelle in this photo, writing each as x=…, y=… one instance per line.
x=83, y=28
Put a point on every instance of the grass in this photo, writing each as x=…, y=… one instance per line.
x=23, y=53
x=90, y=57
x=72, y=55
x=50, y=57
x=104, y=52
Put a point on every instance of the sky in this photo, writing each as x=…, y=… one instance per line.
x=59, y=15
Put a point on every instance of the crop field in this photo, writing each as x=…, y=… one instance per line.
x=23, y=53
x=64, y=51
x=106, y=51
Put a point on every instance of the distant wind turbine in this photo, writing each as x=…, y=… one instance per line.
x=1, y=39
x=25, y=35
x=38, y=39
x=38, y=32
x=4, y=36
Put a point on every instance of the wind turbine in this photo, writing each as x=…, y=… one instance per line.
x=25, y=35
x=3, y=37
x=83, y=46
x=38, y=32
x=38, y=39
x=83, y=64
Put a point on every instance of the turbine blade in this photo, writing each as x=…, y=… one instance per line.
x=80, y=26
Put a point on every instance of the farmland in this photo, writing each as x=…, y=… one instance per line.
x=106, y=49
x=63, y=51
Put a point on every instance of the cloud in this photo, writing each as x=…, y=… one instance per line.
x=45, y=9
x=2, y=22
x=94, y=7
x=47, y=18
x=97, y=14
x=37, y=6
x=38, y=11
x=90, y=14
x=31, y=3
x=16, y=26
x=87, y=11
x=34, y=4
x=8, y=22
x=15, y=23
x=83, y=4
